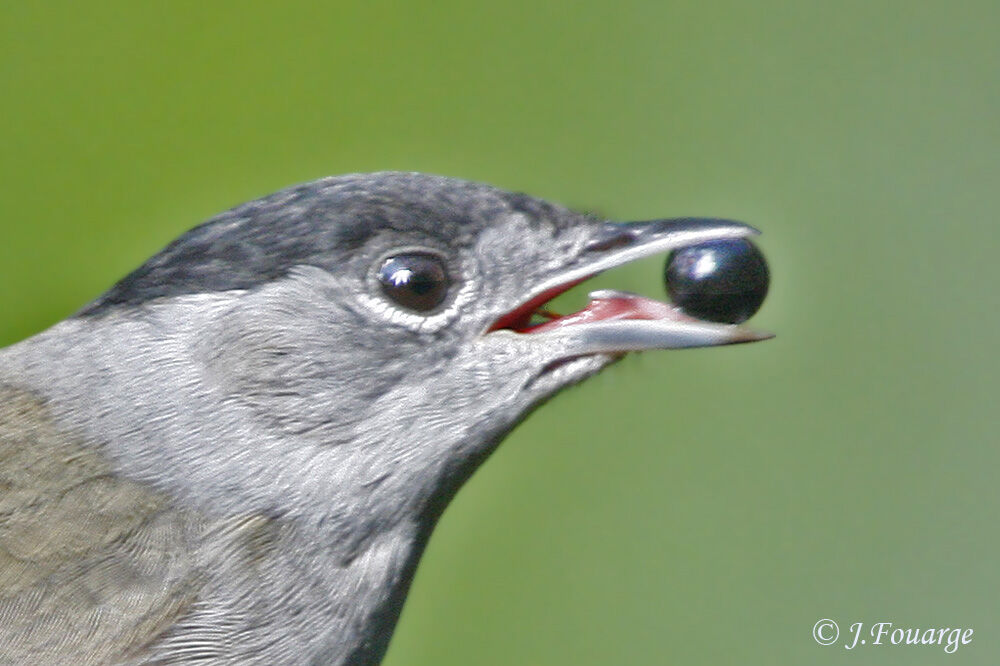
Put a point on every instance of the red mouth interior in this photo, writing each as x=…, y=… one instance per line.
x=605, y=306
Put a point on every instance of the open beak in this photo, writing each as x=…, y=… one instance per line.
x=615, y=322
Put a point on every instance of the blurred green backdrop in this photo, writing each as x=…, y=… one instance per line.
x=696, y=507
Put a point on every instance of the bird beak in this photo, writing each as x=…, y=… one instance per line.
x=617, y=322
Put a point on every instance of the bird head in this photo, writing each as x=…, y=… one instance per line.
x=351, y=349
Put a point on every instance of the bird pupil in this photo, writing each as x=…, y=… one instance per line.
x=416, y=281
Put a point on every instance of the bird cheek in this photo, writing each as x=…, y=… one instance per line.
x=508, y=359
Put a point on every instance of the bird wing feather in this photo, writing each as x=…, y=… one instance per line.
x=93, y=567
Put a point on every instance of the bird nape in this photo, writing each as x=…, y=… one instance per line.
x=238, y=453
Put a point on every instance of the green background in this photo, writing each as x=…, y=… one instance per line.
x=690, y=507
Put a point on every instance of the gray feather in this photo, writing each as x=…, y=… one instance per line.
x=238, y=454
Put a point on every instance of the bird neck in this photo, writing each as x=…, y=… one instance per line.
x=335, y=536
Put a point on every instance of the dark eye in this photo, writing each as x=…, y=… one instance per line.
x=416, y=281
x=719, y=280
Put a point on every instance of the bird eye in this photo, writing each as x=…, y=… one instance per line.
x=416, y=281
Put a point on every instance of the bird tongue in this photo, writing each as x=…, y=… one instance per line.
x=610, y=305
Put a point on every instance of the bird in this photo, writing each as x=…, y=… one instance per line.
x=237, y=454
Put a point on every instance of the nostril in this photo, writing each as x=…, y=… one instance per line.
x=611, y=238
